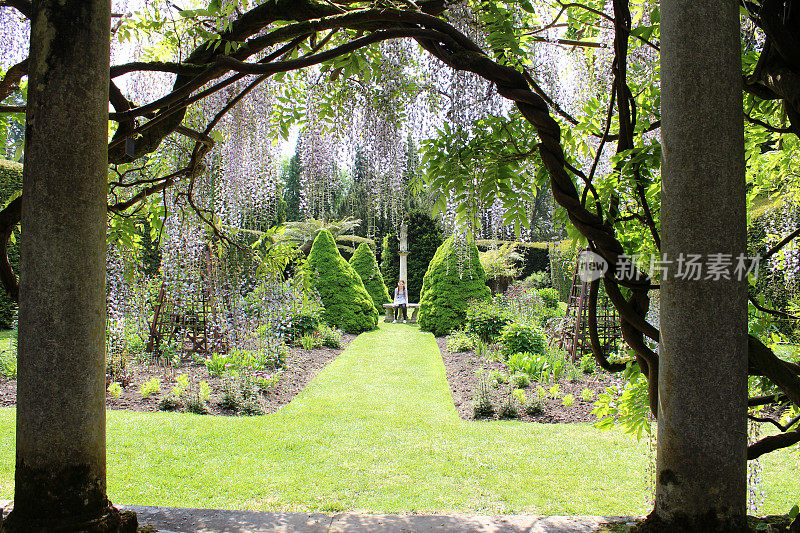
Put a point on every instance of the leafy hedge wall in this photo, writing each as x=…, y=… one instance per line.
x=363, y=261
x=448, y=287
x=10, y=184
x=562, y=266
x=535, y=255
x=424, y=237
x=348, y=305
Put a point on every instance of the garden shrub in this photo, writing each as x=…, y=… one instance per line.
x=485, y=320
x=10, y=186
x=363, y=262
x=518, y=337
x=451, y=282
x=330, y=337
x=550, y=297
x=459, y=341
x=539, y=280
x=347, y=304
x=424, y=238
x=302, y=323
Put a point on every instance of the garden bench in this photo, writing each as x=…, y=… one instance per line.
x=414, y=308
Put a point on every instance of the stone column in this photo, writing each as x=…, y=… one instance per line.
x=403, y=252
x=60, y=478
x=702, y=433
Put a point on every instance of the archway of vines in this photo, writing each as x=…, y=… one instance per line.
x=226, y=59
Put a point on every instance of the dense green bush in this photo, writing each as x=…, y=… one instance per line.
x=424, y=238
x=550, y=297
x=454, y=278
x=517, y=337
x=347, y=303
x=10, y=185
x=486, y=320
x=363, y=262
x=302, y=323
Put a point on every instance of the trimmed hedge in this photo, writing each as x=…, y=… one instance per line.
x=535, y=255
x=348, y=305
x=10, y=184
x=363, y=262
x=448, y=288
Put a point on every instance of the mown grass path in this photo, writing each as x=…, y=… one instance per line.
x=377, y=431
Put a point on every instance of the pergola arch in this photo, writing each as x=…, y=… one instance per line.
x=419, y=22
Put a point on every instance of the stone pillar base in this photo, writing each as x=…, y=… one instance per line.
x=112, y=521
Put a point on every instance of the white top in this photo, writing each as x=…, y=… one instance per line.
x=401, y=297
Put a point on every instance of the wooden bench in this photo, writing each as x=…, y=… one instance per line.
x=412, y=310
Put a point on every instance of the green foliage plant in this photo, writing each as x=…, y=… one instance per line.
x=308, y=342
x=347, y=304
x=519, y=337
x=508, y=408
x=449, y=285
x=115, y=389
x=536, y=403
x=363, y=261
x=554, y=391
x=486, y=320
x=520, y=380
x=587, y=395
x=266, y=381
x=150, y=387
x=330, y=337
x=625, y=407
x=482, y=402
x=588, y=364
x=459, y=340
x=302, y=323
x=550, y=297
x=568, y=400
x=539, y=280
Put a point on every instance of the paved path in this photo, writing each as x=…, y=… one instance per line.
x=176, y=520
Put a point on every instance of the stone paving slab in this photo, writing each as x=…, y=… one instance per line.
x=180, y=520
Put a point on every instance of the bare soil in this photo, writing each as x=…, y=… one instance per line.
x=301, y=367
x=461, y=368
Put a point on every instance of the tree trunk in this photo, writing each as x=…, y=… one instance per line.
x=61, y=443
x=702, y=433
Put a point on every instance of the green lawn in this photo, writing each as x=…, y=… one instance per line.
x=5, y=339
x=377, y=431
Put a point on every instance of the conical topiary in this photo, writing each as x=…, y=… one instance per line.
x=454, y=277
x=363, y=262
x=347, y=303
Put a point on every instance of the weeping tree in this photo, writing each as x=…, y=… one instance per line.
x=489, y=157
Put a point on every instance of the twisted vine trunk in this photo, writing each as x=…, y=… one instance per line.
x=60, y=477
x=702, y=391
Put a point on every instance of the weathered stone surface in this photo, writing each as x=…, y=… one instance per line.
x=701, y=483
x=60, y=479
